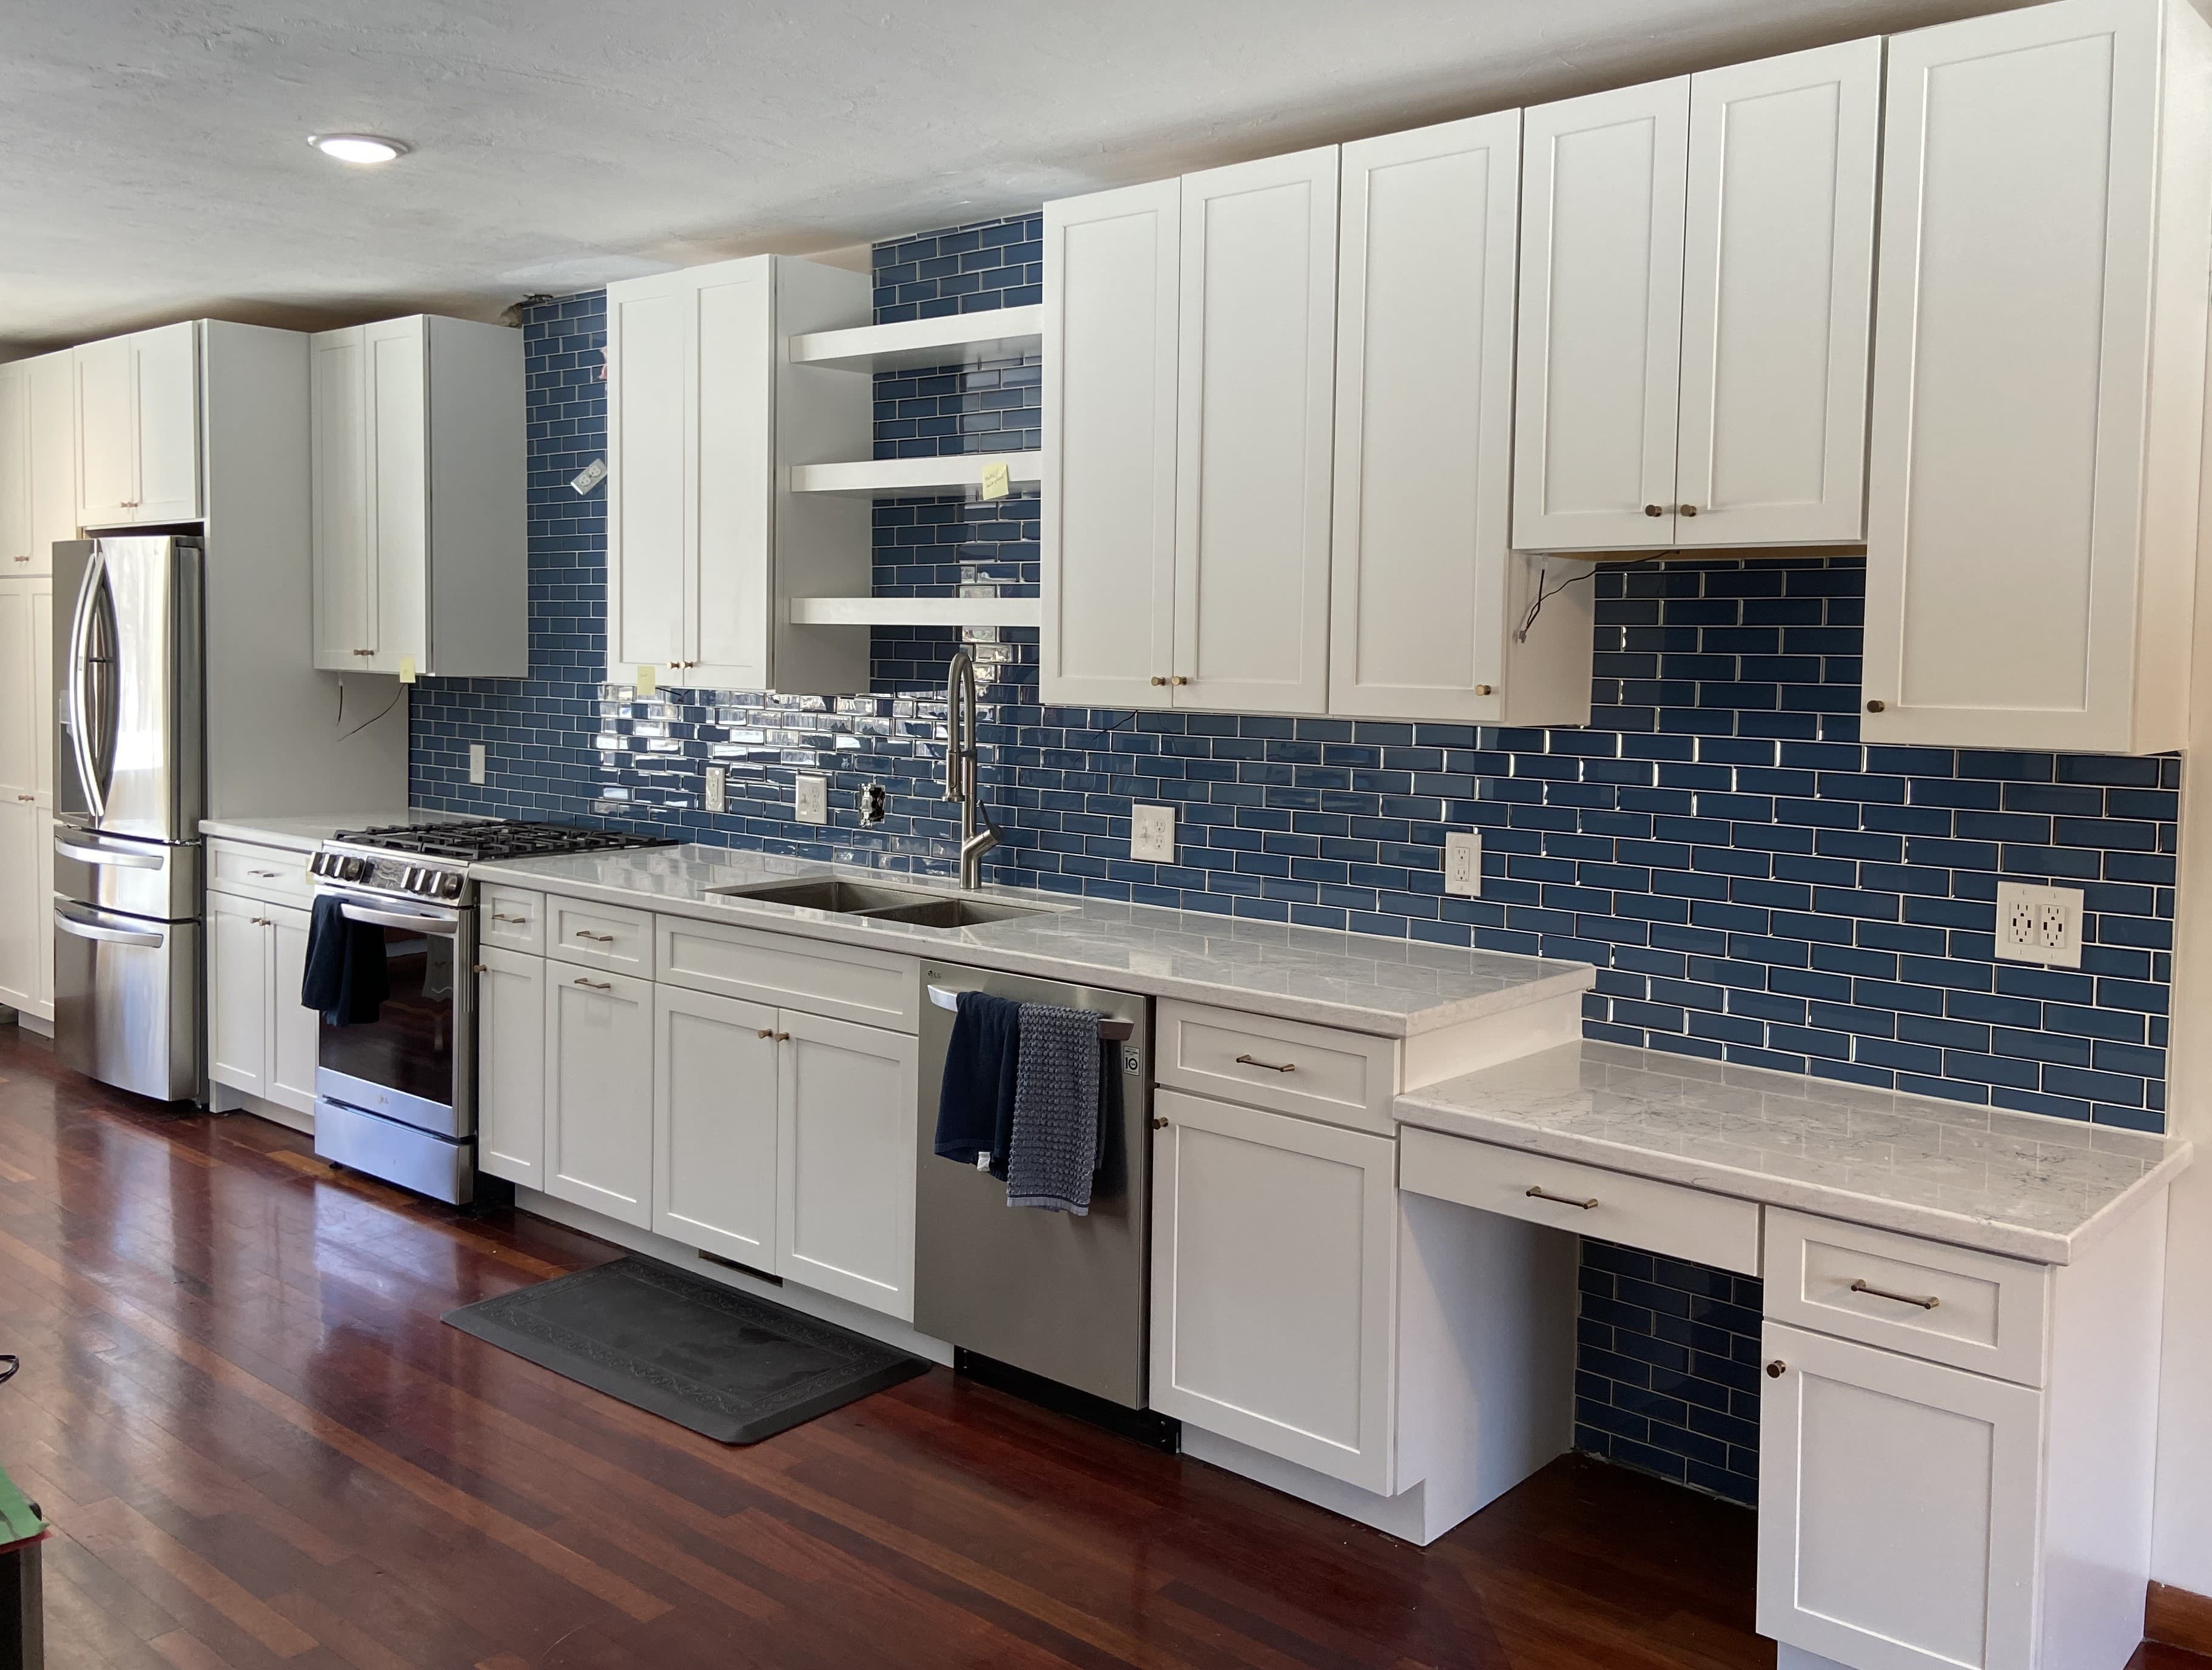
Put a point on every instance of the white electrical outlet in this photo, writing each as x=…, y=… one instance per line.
x=1463, y=863
x=475, y=762
x=716, y=777
x=1152, y=833
x=2038, y=924
x=810, y=798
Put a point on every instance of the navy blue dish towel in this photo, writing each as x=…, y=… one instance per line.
x=345, y=978
x=976, y=1104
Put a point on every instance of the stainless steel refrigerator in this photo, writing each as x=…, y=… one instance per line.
x=130, y=790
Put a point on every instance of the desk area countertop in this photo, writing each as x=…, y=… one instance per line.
x=1362, y=982
x=2023, y=1185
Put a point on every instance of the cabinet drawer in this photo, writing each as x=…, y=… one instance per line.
x=277, y=874
x=875, y=988
x=515, y=917
x=1973, y=1310
x=1612, y=1205
x=1345, y=1078
x=601, y=935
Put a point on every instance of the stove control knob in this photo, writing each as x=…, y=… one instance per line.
x=352, y=870
x=315, y=865
x=450, y=888
x=406, y=877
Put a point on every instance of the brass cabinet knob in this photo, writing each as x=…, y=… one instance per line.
x=1180, y=679
x=1689, y=510
x=1482, y=689
x=1159, y=1125
x=1877, y=707
x=1776, y=1369
x=1157, y=679
x=1654, y=510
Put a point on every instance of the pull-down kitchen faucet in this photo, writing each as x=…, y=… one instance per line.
x=961, y=776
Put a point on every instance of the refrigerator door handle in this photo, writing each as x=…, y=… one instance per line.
x=90, y=849
x=77, y=690
x=85, y=925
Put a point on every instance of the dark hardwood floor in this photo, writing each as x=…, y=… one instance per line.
x=261, y=1446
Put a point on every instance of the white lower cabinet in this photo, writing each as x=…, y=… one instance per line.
x=1274, y=1275
x=260, y=1039
x=511, y=1013
x=22, y=826
x=598, y=1091
x=714, y=1117
x=845, y=1129
x=1898, y=1508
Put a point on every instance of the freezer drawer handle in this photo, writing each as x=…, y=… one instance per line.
x=1272, y=1067
x=88, y=850
x=1929, y=1302
x=1112, y=1032
x=68, y=922
x=1536, y=1192
x=445, y=925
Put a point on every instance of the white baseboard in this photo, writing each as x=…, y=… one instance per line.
x=1403, y=1516
x=827, y=1307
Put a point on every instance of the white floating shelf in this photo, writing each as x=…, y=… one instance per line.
x=917, y=611
x=995, y=333
x=886, y=478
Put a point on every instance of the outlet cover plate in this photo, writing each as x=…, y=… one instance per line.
x=2038, y=924
x=717, y=777
x=475, y=762
x=810, y=798
x=1463, y=863
x=1152, y=833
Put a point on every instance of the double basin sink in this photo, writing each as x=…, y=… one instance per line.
x=879, y=904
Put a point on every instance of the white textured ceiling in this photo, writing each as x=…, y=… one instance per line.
x=153, y=163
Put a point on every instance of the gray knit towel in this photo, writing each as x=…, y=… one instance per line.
x=1054, y=1153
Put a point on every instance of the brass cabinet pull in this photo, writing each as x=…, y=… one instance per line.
x=764, y=1032
x=23, y=559
x=1927, y=1302
x=1272, y=1067
x=1536, y=1193
x=266, y=875
x=1654, y=510
x=27, y=796
x=596, y=985
x=585, y=933
x=783, y=1037
x=520, y=921
x=480, y=967
x=1776, y=1369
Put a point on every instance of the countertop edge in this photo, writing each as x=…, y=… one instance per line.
x=256, y=834
x=1819, y=1199
x=944, y=945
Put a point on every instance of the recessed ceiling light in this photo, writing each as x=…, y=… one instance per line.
x=358, y=147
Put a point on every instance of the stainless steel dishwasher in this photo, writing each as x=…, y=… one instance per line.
x=1057, y=1296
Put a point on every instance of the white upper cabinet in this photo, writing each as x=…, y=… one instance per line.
x=421, y=560
x=1696, y=262
x=1255, y=371
x=706, y=544
x=51, y=417
x=1111, y=288
x=14, y=468
x=1776, y=293
x=137, y=406
x=1603, y=182
x=1426, y=588
x=2039, y=379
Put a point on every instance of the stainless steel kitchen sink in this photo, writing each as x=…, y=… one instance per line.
x=880, y=903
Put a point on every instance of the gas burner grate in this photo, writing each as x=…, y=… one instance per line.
x=492, y=839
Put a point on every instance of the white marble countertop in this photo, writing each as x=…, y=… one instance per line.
x=1362, y=983
x=2025, y=1184
x=305, y=832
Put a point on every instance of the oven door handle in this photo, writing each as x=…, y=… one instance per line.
x=446, y=926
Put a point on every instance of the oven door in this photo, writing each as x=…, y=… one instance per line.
x=416, y=1062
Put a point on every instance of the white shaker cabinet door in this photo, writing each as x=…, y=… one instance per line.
x=1422, y=567
x=14, y=469
x=714, y=1115
x=733, y=324
x=511, y=1013
x=42, y=689
x=166, y=365
x=42, y=992
x=1603, y=184
x=106, y=416
x=651, y=526
x=344, y=558
x=21, y=905
x=1897, y=1507
x=598, y=1091
x=845, y=1153
x=1111, y=277
x=292, y=1027
x=238, y=992
x=394, y=369
x=2038, y=384
x=1777, y=299
x=1257, y=328
x=1274, y=1278
x=23, y=704
x=52, y=417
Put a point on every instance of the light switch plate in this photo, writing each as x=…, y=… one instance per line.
x=1152, y=833
x=2037, y=924
x=716, y=777
x=811, y=799
x=1463, y=863
x=475, y=762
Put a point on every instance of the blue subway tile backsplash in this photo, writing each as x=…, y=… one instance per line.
x=1753, y=882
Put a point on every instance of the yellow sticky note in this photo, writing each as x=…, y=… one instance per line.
x=406, y=669
x=645, y=681
x=994, y=480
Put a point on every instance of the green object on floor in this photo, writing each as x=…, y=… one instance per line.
x=18, y=1523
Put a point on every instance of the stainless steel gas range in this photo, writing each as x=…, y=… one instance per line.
x=396, y=1096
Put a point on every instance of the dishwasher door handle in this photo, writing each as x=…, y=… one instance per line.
x=1111, y=1030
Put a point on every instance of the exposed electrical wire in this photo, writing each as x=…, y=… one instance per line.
x=372, y=719
x=1544, y=594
